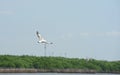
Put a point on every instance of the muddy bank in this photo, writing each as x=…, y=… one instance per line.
x=51, y=71
x=46, y=71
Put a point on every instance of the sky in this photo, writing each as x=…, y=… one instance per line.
x=77, y=28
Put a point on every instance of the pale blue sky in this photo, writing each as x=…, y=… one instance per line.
x=78, y=28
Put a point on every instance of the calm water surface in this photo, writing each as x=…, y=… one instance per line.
x=53, y=74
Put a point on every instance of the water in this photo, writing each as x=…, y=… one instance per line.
x=54, y=74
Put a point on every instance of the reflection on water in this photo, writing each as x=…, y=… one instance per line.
x=54, y=74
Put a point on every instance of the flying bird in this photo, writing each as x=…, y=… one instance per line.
x=41, y=39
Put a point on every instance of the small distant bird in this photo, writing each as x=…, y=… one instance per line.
x=41, y=39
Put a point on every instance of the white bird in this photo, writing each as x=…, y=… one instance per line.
x=41, y=39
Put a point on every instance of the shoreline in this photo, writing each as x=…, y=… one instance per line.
x=23, y=70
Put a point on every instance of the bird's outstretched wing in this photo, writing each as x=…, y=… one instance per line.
x=39, y=36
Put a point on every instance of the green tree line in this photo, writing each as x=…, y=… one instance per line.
x=10, y=61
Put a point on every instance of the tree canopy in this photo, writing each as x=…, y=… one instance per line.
x=25, y=61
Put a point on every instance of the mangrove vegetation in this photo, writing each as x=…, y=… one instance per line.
x=34, y=62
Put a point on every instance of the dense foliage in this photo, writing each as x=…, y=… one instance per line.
x=9, y=61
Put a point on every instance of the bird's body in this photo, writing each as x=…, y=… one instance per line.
x=41, y=39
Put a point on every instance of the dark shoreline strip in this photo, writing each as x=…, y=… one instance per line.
x=50, y=71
